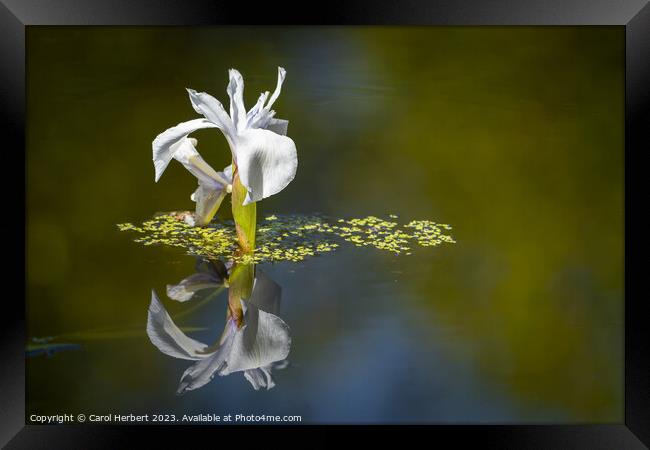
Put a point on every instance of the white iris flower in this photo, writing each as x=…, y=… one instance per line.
x=264, y=158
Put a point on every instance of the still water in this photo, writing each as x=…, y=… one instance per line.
x=514, y=136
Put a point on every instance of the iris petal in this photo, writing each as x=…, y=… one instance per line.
x=187, y=155
x=167, y=143
x=236, y=93
x=208, y=198
x=278, y=88
x=200, y=373
x=266, y=162
x=213, y=110
x=263, y=340
x=260, y=378
x=167, y=337
x=187, y=287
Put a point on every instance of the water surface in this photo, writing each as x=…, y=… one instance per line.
x=514, y=136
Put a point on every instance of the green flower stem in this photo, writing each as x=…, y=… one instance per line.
x=245, y=216
x=240, y=286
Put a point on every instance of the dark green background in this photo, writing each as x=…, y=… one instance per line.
x=512, y=135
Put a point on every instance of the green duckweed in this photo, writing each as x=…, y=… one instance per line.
x=290, y=237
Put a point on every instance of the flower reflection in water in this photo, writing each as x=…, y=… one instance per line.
x=254, y=341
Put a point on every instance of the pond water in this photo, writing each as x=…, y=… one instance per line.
x=512, y=136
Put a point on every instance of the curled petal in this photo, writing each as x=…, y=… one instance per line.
x=260, y=116
x=209, y=195
x=255, y=110
x=236, y=93
x=266, y=162
x=187, y=287
x=187, y=155
x=213, y=185
x=213, y=110
x=278, y=88
x=262, y=119
x=167, y=143
x=167, y=337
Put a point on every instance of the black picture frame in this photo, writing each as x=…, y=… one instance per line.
x=634, y=15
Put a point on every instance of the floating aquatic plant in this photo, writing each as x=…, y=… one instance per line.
x=289, y=237
x=264, y=159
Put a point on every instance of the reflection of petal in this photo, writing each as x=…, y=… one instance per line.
x=256, y=348
x=167, y=143
x=216, y=268
x=187, y=287
x=260, y=378
x=266, y=293
x=200, y=373
x=281, y=364
x=164, y=334
x=266, y=162
x=262, y=340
